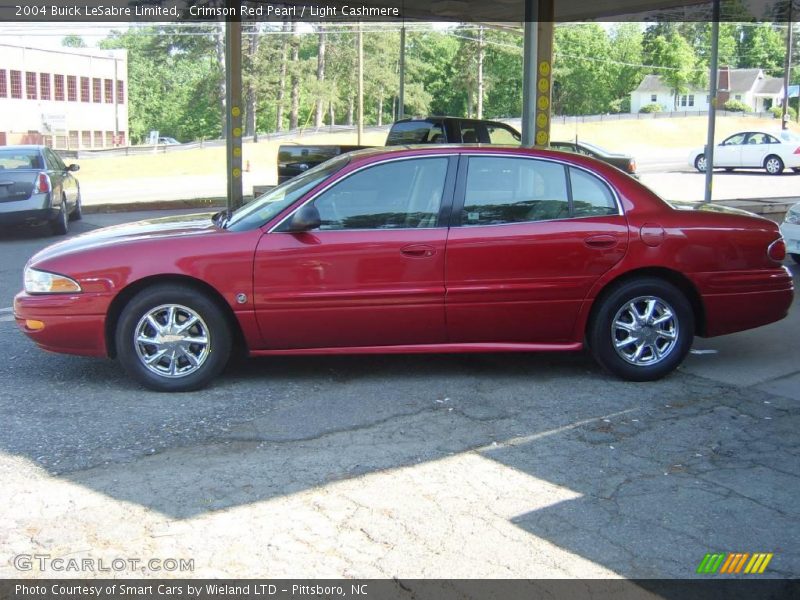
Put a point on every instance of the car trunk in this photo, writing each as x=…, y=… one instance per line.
x=17, y=184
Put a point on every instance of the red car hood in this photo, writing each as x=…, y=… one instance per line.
x=179, y=225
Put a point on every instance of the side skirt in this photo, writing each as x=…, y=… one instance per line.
x=426, y=349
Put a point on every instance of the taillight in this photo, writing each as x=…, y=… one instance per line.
x=777, y=250
x=797, y=150
x=42, y=184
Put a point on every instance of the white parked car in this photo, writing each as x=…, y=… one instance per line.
x=790, y=230
x=753, y=150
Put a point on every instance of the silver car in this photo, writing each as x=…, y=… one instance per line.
x=36, y=186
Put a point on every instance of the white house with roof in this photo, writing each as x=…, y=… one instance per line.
x=751, y=86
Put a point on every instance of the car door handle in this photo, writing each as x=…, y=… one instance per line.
x=418, y=251
x=600, y=241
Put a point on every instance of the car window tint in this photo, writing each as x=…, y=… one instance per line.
x=514, y=190
x=768, y=139
x=502, y=135
x=758, y=138
x=20, y=159
x=590, y=196
x=55, y=161
x=396, y=195
x=415, y=132
x=469, y=134
x=734, y=139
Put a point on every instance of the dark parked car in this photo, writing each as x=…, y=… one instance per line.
x=621, y=161
x=36, y=186
x=413, y=250
x=294, y=159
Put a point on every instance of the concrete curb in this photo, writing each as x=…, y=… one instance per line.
x=111, y=207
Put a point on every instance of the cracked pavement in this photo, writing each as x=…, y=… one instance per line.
x=491, y=466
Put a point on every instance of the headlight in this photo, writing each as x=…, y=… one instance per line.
x=792, y=217
x=42, y=282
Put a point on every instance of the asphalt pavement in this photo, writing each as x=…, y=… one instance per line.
x=497, y=466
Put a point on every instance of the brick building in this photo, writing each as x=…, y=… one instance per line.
x=67, y=98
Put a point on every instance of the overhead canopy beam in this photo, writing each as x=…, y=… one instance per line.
x=712, y=105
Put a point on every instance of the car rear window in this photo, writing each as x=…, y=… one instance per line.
x=20, y=159
x=415, y=132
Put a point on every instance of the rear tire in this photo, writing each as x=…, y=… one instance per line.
x=173, y=338
x=642, y=329
x=773, y=164
x=700, y=163
x=60, y=225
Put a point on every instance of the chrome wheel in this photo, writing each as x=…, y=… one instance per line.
x=172, y=341
x=644, y=331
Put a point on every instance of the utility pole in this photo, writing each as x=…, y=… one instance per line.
x=712, y=105
x=360, y=42
x=787, y=69
x=401, y=109
x=233, y=110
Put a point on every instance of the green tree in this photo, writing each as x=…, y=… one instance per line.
x=678, y=61
x=581, y=71
x=73, y=41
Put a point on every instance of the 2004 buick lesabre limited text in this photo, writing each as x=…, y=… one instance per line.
x=414, y=250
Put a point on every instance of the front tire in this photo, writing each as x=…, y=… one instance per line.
x=642, y=329
x=77, y=212
x=700, y=163
x=773, y=165
x=173, y=338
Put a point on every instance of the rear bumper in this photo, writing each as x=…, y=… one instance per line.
x=35, y=209
x=73, y=324
x=744, y=300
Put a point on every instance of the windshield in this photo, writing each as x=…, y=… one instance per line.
x=264, y=208
x=20, y=159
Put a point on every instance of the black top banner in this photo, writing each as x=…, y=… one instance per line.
x=497, y=11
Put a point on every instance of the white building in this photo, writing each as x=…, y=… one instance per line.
x=758, y=91
x=68, y=98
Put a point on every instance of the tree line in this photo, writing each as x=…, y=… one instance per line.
x=294, y=78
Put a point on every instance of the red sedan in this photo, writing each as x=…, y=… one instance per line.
x=423, y=249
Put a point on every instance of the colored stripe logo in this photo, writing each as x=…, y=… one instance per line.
x=735, y=563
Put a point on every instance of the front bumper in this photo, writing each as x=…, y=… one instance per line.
x=73, y=323
x=791, y=235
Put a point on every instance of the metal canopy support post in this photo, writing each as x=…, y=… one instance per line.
x=712, y=105
x=401, y=108
x=544, y=72
x=529, y=72
x=233, y=111
x=787, y=69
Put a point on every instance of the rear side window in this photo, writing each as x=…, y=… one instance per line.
x=590, y=196
x=514, y=190
x=502, y=135
x=416, y=132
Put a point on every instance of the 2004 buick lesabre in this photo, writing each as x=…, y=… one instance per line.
x=412, y=250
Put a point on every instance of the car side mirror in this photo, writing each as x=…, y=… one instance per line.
x=73, y=167
x=305, y=218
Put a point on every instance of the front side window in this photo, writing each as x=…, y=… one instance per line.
x=514, y=190
x=735, y=140
x=401, y=194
